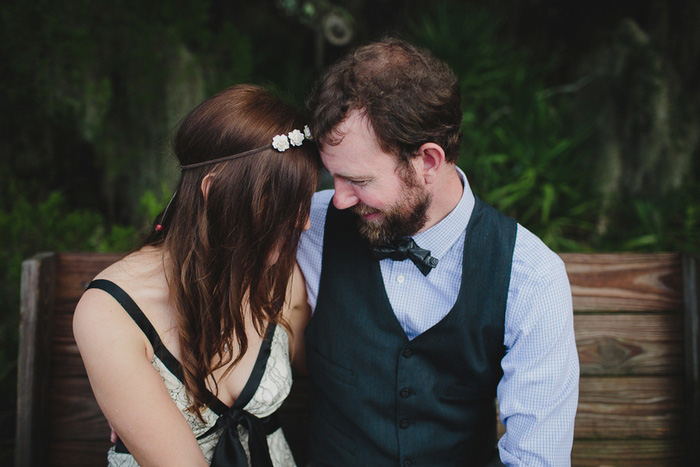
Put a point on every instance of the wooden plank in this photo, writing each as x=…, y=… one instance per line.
x=625, y=282
x=628, y=453
x=79, y=430
x=79, y=453
x=645, y=407
x=629, y=344
x=66, y=360
x=630, y=407
x=691, y=298
x=75, y=414
x=618, y=409
x=77, y=270
x=36, y=309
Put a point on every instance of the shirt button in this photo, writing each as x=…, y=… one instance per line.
x=407, y=463
x=407, y=353
x=405, y=392
x=400, y=279
x=404, y=424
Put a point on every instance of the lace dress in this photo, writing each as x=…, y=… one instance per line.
x=268, y=386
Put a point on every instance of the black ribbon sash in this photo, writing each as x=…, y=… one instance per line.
x=229, y=451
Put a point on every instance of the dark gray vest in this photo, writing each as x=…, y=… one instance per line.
x=379, y=399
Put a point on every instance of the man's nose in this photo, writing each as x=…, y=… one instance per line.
x=344, y=196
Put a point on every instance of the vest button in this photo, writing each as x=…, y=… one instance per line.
x=407, y=463
x=407, y=353
x=405, y=392
x=404, y=424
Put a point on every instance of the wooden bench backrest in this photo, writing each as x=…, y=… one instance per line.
x=636, y=321
x=630, y=332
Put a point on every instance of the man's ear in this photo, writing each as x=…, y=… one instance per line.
x=206, y=183
x=429, y=160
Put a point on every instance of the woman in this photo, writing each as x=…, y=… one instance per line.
x=185, y=341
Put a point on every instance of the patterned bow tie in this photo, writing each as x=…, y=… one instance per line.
x=406, y=248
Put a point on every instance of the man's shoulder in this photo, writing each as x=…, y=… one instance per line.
x=310, y=251
x=313, y=238
x=533, y=259
x=319, y=207
x=321, y=199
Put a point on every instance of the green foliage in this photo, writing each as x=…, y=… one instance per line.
x=669, y=222
x=524, y=164
x=97, y=88
x=526, y=154
x=230, y=59
x=519, y=152
x=151, y=203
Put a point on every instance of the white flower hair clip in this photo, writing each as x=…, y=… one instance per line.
x=293, y=138
x=280, y=142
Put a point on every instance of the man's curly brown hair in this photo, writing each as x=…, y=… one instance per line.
x=408, y=96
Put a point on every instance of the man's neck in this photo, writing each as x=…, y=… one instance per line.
x=446, y=193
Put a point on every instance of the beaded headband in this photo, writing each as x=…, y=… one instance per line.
x=279, y=142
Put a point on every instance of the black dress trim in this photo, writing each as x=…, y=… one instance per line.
x=143, y=323
x=174, y=366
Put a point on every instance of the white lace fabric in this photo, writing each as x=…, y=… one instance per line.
x=274, y=388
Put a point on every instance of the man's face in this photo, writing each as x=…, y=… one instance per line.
x=389, y=199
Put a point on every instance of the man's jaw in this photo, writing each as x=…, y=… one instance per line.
x=367, y=213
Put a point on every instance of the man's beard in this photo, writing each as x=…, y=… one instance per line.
x=403, y=219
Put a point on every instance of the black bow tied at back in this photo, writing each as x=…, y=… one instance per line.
x=406, y=248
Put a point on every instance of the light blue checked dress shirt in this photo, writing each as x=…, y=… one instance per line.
x=538, y=393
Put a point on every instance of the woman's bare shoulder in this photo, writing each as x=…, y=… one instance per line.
x=98, y=314
x=134, y=267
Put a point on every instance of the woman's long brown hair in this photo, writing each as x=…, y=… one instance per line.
x=220, y=245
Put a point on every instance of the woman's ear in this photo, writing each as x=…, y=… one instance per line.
x=429, y=160
x=206, y=183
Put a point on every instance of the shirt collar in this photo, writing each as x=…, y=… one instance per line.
x=440, y=237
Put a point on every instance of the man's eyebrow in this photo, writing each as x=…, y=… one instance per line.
x=353, y=177
x=339, y=175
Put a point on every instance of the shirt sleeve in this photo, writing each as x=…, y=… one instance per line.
x=538, y=393
x=310, y=251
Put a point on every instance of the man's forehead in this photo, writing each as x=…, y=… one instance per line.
x=357, y=121
x=340, y=166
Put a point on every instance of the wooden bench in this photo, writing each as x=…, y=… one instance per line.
x=636, y=320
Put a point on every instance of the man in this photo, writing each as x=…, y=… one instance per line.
x=427, y=302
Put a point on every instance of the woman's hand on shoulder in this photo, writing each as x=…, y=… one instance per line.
x=129, y=390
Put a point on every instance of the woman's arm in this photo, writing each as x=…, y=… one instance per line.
x=128, y=388
x=298, y=313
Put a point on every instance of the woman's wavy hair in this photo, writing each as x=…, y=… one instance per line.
x=221, y=246
x=408, y=96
